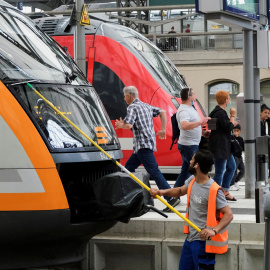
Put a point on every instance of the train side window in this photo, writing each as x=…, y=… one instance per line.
x=110, y=90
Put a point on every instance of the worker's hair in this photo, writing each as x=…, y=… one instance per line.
x=185, y=93
x=264, y=107
x=205, y=160
x=221, y=97
x=131, y=90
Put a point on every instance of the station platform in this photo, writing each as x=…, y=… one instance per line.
x=154, y=242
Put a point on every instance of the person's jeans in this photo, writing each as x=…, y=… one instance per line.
x=224, y=171
x=187, y=152
x=146, y=157
x=194, y=257
x=239, y=166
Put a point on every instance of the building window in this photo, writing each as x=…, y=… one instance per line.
x=230, y=87
x=265, y=91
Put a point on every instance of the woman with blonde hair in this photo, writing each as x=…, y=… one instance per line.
x=220, y=143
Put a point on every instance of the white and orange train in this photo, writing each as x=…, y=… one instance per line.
x=45, y=164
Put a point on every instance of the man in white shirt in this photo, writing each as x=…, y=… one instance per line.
x=189, y=123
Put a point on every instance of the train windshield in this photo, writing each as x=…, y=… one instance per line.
x=80, y=105
x=27, y=53
x=160, y=64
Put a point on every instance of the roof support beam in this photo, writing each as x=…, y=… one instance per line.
x=125, y=9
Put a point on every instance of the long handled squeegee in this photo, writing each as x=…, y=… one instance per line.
x=115, y=161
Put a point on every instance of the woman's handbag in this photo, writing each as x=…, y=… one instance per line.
x=235, y=146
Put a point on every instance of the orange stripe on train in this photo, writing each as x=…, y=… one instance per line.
x=54, y=196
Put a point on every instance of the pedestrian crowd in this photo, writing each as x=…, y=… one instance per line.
x=207, y=197
x=229, y=165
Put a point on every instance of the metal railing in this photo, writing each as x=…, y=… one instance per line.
x=199, y=41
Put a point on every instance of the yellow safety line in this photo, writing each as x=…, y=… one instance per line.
x=116, y=162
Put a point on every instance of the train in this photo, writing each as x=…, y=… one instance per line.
x=117, y=56
x=48, y=169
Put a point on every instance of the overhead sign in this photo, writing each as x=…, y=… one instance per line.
x=85, y=17
x=244, y=8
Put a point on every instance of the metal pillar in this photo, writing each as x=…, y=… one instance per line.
x=205, y=28
x=257, y=88
x=257, y=96
x=161, y=20
x=155, y=35
x=119, y=4
x=139, y=17
x=79, y=39
x=250, y=174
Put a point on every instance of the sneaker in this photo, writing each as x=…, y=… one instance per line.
x=173, y=202
x=233, y=188
x=237, y=185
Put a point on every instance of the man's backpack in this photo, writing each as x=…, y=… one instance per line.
x=175, y=130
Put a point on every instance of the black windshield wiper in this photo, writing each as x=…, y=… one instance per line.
x=74, y=74
x=67, y=75
x=16, y=82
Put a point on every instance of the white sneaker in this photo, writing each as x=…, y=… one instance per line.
x=233, y=188
x=237, y=185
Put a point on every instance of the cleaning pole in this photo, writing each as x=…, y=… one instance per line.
x=113, y=160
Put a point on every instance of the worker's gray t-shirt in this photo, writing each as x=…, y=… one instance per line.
x=189, y=114
x=198, y=205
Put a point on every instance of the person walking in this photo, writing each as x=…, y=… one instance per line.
x=220, y=143
x=139, y=119
x=208, y=209
x=189, y=123
x=240, y=166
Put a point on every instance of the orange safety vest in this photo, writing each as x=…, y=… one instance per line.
x=218, y=243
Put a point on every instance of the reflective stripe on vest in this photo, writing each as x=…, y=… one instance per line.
x=219, y=243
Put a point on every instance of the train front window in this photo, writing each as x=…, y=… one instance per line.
x=160, y=64
x=27, y=53
x=80, y=105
